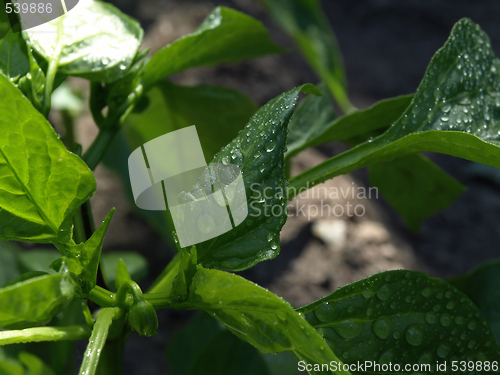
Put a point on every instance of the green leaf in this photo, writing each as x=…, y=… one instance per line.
x=306, y=23
x=14, y=62
x=454, y=111
x=226, y=36
x=136, y=264
x=23, y=277
x=98, y=339
x=256, y=315
x=83, y=259
x=415, y=186
x=10, y=367
x=37, y=260
x=35, y=301
x=94, y=41
x=34, y=364
x=312, y=118
x=18, y=64
x=219, y=352
x=427, y=188
x=8, y=262
x=41, y=182
x=402, y=317
x=258, y=152
x=314, y=122
x=173, y=107
x=481, y=285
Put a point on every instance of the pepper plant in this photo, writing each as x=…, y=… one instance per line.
x=399, y=317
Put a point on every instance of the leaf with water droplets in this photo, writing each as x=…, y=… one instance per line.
x=255, y=315
x=427, y=188
x=225, y=36
x=455, y=111
x=482, y=286
x=172, y=107
x=94, y=41
x=398, y=316
x=257, y=238
x=41, y=182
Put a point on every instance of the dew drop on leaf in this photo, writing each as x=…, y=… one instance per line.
x=325, y=313
x=414, y=335
x=382, y=327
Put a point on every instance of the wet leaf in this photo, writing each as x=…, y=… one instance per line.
x=455, y=111
x=94, y=41
x=172, y=107
x=258, y=152
x=482, y=286
x=402, y=317
x=256, y=315
x=41, y=182
x=226, y=36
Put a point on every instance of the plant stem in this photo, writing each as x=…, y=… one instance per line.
x=98, y=339
x=102, y=297
x=52, y=71
x=98, y=148
x=38, y=334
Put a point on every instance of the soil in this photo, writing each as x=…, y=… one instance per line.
x=387, y=45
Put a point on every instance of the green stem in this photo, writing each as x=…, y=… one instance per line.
x=38, y=334
x=51, y=72
x=159, y=300
x=98, y=339
x=98, y=148
x=102, y=297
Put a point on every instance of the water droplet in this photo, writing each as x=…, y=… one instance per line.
x=445, y=320
x=471, y=325
x=396, y=335
x=383, y=293
x=414, y=335
x=426, y=292
x=443, y=350
x=450, y=305
x=386, y=357
x=431, y=318
x=425, y=358
x=444, y=118
x=325, y=313
x=269, y=237
x=348, y=329
x=471, y=344
x=459, y=320
x=270, y=146
x=382, y=327
x=367, y=293
x=105, y=61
